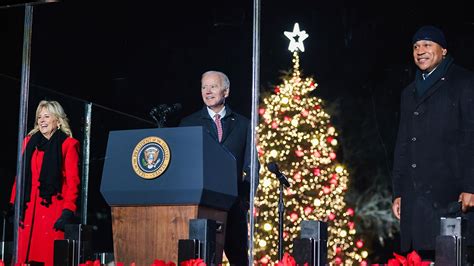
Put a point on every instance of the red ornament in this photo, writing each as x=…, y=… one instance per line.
x=316, y=171
x=332, y=155
x=261, y=111
x=317, y=154
x=326, y=190
x=308, y=210
x=277, y=90
x=329, y=139
x=293, y=216
x=304, y=113
x=297, y=177
x=260, y=151
x=338, y=250
x=359, y=244
x=350, y=225
x=363, y=263
x=287, y=119
x=332, y=216
x=350, y=211
x=274, y=125
x=299, y=153
x=338, y=261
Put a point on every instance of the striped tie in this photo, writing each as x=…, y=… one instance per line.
x=217, y=120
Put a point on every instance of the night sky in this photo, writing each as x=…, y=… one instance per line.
x=129, y=56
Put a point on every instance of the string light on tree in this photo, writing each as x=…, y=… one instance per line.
x=297, y=134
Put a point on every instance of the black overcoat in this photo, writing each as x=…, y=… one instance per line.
x=236, y=139
x=434, y=155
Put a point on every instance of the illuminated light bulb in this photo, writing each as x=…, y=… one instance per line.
x=317, y=202
x=339, y=169
x=331, y=130
x=294, y=122
x=364, y=254
x=267, y=182
x=352, y=231
x=267, y=227
x=273, y=153
x=314, y=142
x=334, y=142
x=284, y=100
x=262, y=243
x=305, y=113
x=343, y=233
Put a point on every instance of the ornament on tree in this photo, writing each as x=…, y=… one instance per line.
x=296, y=133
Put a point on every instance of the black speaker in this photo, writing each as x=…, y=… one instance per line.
x=314, y=229
x=303, y=251
x=188, y=249
x=314, y=237
x=64, y=252
x=450, y=243
x=204, y=230
x=81, y=234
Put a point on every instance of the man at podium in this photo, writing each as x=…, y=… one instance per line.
x=232, y=131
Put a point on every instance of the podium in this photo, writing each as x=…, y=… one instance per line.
x=156, y=180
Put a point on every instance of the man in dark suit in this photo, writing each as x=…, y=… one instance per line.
x=233, y=131
x=434, y=154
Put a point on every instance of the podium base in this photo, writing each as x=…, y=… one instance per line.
x=144, y=233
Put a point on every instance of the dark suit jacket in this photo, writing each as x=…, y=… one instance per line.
x=236, y=138
x=434, y=155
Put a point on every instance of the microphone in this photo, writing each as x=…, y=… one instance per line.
x=273, y=167
x=174, y=108
x=165, y=109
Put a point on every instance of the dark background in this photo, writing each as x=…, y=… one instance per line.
x=126, y=57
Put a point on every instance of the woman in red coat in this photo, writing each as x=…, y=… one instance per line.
x=51, y=184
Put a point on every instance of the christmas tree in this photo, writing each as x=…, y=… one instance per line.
x=296, y=133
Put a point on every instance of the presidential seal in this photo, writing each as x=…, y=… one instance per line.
x=150, y=157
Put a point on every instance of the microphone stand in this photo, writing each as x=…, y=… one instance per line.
x=281, y=210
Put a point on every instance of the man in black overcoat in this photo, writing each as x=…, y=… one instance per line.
x=434, y=153
x=233, y=131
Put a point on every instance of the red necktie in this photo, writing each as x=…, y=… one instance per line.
x=217, y=120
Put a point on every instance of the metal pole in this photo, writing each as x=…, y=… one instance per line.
x=25, y=88
x=254, y=118
x=86, y=160
x=281, y=210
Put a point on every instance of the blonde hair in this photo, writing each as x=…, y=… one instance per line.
x=55, y=109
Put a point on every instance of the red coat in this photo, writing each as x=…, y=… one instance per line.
x=39, y=220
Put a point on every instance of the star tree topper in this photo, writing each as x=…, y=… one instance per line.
x=296, y=45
